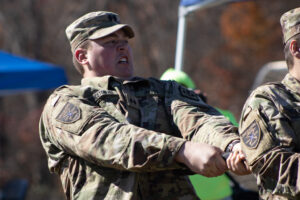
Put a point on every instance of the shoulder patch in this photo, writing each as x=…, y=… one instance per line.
x=188, y=93
x=70, y=113
x=251, y=135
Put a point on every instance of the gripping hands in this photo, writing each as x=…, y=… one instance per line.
x=207, y=160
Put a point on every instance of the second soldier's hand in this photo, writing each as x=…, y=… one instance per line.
x=236, y=161
x=202, y=159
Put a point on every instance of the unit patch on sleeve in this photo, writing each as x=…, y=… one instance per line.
x=251, y=135
x=70, y=113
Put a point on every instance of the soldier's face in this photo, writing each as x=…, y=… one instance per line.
x=111, y=55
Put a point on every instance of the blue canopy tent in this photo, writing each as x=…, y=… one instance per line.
x=18, y=74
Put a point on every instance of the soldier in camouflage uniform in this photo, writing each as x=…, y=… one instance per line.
x=270, y=123
x=121, y=137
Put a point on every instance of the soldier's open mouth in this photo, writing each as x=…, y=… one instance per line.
x=123, y=59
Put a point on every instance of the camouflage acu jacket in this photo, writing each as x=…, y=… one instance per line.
x=113, y=139
x=270, y=134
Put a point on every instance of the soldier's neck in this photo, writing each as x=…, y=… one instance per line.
x=295, y=70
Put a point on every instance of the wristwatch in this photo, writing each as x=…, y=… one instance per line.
x=231, y=145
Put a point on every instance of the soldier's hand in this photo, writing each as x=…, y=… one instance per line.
x=202, y=159
x=236, y=161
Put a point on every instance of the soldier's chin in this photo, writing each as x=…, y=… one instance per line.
x=123, y=63
x=126, y=74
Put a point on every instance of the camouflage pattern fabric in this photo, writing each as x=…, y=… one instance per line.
x=290, y=23
x=114, y=139
x=270, y=135
x=95, y=25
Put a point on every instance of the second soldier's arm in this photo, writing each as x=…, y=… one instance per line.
x=269, y=144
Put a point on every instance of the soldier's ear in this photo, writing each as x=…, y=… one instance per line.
x=81, y=56
x=295, y=48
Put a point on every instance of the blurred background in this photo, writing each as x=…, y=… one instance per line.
x=225, y=48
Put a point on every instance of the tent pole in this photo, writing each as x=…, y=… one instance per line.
x=181, y=30
x=180, y=39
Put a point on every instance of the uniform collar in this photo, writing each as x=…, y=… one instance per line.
x=96, y=81
x=292, y=83
x=106, y=81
